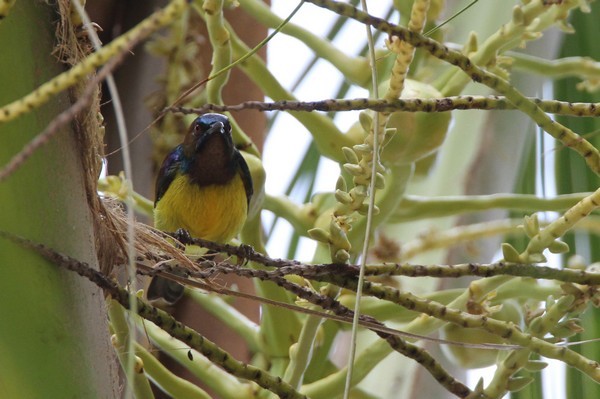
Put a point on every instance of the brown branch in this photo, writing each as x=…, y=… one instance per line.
x=445, y=104
x=285, y=267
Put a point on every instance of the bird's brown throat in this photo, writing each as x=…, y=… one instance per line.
x=213, y=162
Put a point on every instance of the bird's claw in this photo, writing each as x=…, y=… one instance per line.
x=245, y=252
x=183, y=236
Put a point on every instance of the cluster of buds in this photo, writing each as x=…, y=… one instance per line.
x=531, y=227
x=359, y=162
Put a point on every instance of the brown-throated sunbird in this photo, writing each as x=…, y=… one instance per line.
x=203, y=186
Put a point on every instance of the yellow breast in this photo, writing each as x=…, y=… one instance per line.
x=215, y=212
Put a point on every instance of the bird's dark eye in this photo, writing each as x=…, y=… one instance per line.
x=200, y=127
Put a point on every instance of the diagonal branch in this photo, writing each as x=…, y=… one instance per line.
x=477, y=74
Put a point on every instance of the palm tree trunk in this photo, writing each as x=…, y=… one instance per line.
x=53, y=332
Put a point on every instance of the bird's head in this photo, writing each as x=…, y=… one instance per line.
x=209, y=134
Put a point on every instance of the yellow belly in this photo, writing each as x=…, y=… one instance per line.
x=215, y=212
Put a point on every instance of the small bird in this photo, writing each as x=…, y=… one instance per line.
x=204, y=187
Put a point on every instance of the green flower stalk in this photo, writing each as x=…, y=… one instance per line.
x=405, y=51
x=326, y=135
x=222, y=53
x=216, y=379
x=503, y=380
x=585, y=68
x=120, y=338
x=173, y=385
x=355, y=69
x=547, y=238
x=527, y=23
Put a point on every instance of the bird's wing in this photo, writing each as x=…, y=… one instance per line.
x=245, y=172
x=167, y=172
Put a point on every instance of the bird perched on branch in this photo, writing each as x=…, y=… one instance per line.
x=204, y=187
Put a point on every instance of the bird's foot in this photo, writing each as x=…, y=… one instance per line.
x=183, y=236
x=245, y=253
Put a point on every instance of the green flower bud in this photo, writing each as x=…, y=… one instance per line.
x=535, y=365
x=379, y=181
x=517, y=383
x=353, y=169
x=536, y=258
x=531, y=225
x=350, y=155
x=343, y=197
x=518, y=16
x=319, y=234
x=510, y=254
x=362, y=148
x=364, y=209
x=558, y=247
x=365, y=121
x=341, y=184
x=341, y=256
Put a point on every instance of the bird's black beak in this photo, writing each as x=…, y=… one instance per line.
x=216, y=128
